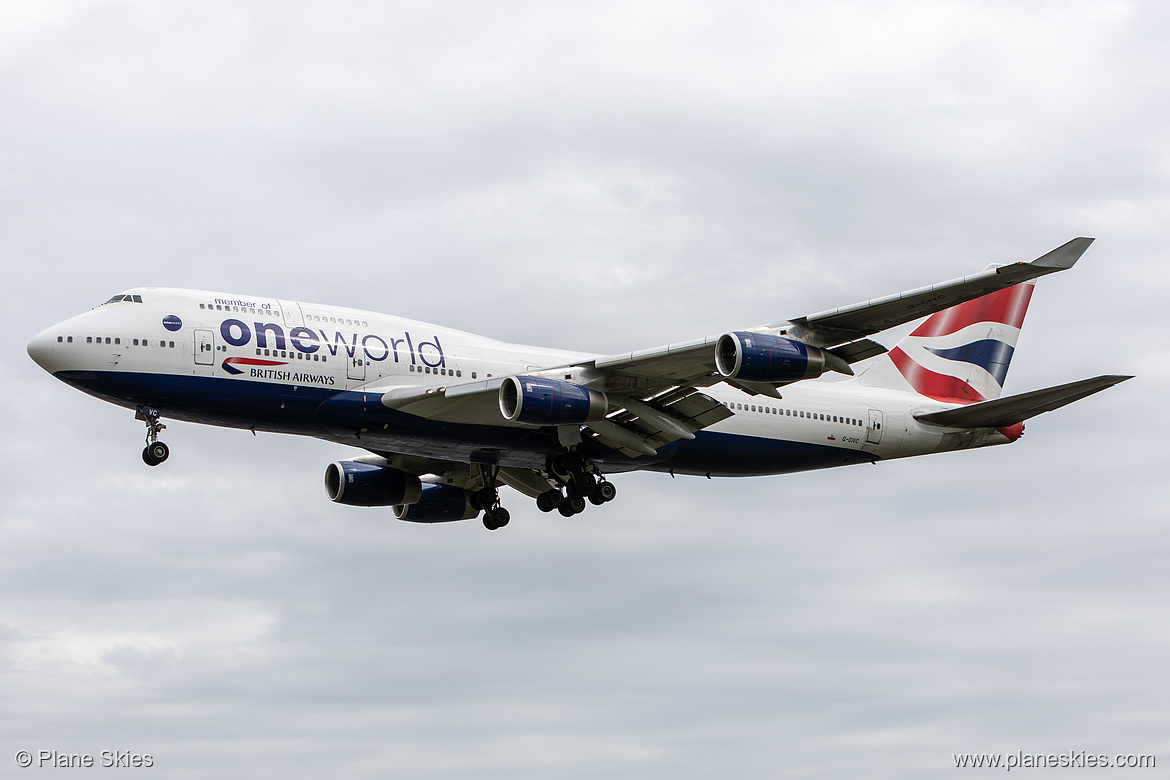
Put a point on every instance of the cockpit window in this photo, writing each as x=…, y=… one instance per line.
x=125, y=299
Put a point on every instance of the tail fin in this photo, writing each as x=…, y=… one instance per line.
x=960, y=354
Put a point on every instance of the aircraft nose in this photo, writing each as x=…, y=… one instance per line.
x=40, y=348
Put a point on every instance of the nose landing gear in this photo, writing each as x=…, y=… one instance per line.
x=155, y=451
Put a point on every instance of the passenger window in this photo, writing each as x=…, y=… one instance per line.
x=118, y=341
x=473, y=375
x=458, y=373
x=171, y=345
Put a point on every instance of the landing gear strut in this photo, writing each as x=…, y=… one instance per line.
x=155, y=451
x=488, y=499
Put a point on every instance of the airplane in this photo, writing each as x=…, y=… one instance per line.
x=449, y=417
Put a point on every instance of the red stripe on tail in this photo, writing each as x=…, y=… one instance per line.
x=925, y=382
x=1007, y=306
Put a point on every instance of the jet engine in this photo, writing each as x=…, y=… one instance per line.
x=762, y=357
x=356, y=483
x=438, y=504
x=539, y=401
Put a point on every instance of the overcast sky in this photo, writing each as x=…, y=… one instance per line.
x=601, y=176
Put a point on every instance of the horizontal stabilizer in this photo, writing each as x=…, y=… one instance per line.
x=1017, y=408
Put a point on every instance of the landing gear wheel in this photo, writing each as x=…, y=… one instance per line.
x=572, y=506
x=566, y=509
x=583, y=483
x=487, y=498
x=549, y=500
x=605, y=491
x=158, y=452
x=569, y=462
x=596, y=499
x=496, y=518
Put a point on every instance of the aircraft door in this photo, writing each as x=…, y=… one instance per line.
x=873, y=432
x=357, y=366
x=204, y=347
x=291, y=311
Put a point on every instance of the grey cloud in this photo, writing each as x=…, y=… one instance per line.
x=605, y=178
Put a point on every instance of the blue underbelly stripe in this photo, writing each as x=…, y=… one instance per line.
x=323, y=412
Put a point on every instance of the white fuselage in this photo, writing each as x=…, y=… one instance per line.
x=271, y=364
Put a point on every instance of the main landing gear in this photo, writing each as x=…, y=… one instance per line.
x=494, y=515
x=155, y=451
x=580, y=483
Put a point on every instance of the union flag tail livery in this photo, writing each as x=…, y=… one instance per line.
x=447, y=418
x=959, y=355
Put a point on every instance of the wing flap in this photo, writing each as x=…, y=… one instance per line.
x=641, y=427
x=1017, y=408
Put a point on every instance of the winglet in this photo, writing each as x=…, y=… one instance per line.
x=1064, y=256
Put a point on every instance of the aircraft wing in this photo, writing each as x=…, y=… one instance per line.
x=838, y=326
x=842, y=331
x=638, y=420
x=654, y=394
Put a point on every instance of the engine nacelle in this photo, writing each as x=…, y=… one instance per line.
x=356, y=483
x=762, y=357
x=538, y=401
x=438, y=504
